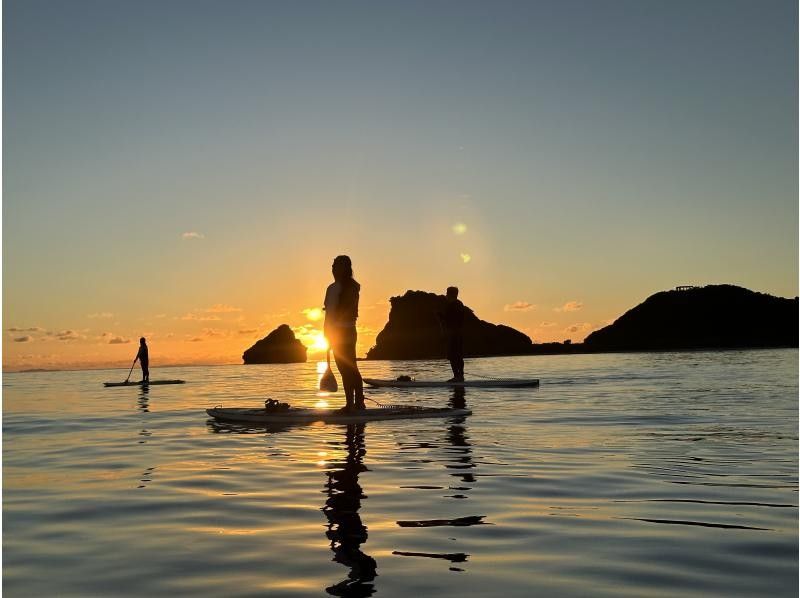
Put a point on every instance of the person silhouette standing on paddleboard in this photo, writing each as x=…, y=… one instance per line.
x=452, y=319
x=341, y=312
x=144, y=360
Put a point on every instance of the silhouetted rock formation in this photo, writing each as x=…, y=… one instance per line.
x=714, y=316
x=279, y=346
x=413, y=332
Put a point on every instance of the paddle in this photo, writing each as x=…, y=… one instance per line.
x=129, y=373
x=328, y=380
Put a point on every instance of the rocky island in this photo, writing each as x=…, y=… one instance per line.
x=710, y=317
x=413, y=332
x=279, y=346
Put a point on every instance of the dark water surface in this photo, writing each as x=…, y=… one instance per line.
x=622, y=475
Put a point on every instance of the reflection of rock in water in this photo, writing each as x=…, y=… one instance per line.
x=345, y=530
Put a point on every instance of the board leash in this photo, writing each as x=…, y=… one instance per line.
x=486, y=377
x=381, y=405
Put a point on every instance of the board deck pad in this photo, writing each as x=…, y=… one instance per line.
x=488, y=383
x=301, y=414
x=140, y=383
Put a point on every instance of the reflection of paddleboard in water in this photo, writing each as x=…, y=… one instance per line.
x=493, y=383
x=151, y=383
x=301, y=414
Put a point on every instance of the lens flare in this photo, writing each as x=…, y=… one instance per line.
x=313, y=313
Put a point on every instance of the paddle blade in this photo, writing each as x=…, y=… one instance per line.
x=328, y=382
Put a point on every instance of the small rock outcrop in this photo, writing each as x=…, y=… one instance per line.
x=710, y=317
x=279, y=346
x=413, y=332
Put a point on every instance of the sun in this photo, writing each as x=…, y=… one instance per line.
x=318, y=342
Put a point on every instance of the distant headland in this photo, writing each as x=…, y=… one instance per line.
x=710, y=317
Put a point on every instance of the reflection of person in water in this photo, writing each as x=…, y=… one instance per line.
x=345, y=530
x=457, y=438
x=144, y=402
x=458, y=399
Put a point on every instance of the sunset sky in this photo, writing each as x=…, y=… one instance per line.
x=187, y=170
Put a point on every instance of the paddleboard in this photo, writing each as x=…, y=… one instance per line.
x=493, y=383
x=301, y=414
x=151, y=383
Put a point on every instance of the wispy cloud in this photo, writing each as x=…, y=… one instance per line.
x=192, y=235
x=118, y=340
x=209, y=314
x=519, y=306
x=195, y=339
x=103, y=315
x=569, y=306
x=214, y=332
x=23, y=339
x=31, y=329
x=67, y=335
x=547, y=324
x=200, y=317
x=248, y=331
x=279, y=314
x=581, y=327
x=221, y=308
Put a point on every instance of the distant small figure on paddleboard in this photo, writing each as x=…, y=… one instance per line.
x=452, y=320
x=144, y=360
x=341, y=312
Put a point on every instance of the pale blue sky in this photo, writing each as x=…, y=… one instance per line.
x=598, y=151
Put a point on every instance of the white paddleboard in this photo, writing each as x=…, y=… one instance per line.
x=493, y=383
x=301, y=414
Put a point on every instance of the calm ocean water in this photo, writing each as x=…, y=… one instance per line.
x=670, y=474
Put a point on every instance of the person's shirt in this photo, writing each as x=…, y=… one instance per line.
x=142, y=354
x=341, y=304
x=453, y=317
